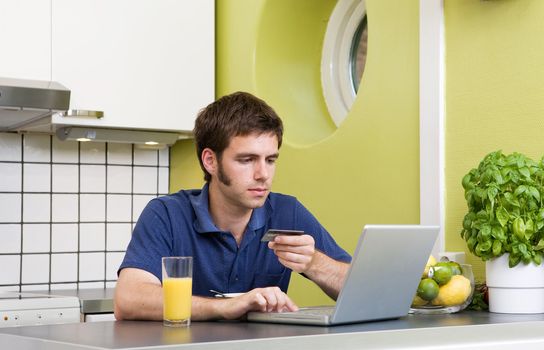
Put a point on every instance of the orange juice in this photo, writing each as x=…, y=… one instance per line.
x=177, y=298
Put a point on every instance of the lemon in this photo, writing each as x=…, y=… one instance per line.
x=430, y=262
x=455, y=292
x=441, y=273
x=418, y=301
x=427, y=289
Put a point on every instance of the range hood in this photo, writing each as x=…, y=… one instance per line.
x=26, y=102
x=27, y=106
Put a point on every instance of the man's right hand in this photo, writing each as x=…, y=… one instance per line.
x=270, y=299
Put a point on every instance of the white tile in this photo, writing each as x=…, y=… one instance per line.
x=10, y=177
x=164, y=156
x=65, y=208
x=10, y=238
x=13, y=288
x=118, y=236
x=65, y=178
x=92, y=237
x=65, y=151
x=145, y=156
x=111, y=284
x=11, y=265
x=93, y=178
x=34, y=287
x=119, y=179
x=64, y=286
x=92, y=207
x=10, y=147
x=91, y=266
x=64, y=238
x=63, y=267
x=119, y=207
x=37, y=148
x=90, y=285
x=36, y=177
x=36, y=238
x=119, y=153
x=10, y=207
x=138, y=204
x=145, y=180
x=93, y=152
x=164, y=181
x=35, y=268
x=36, y=207
x=113, y=261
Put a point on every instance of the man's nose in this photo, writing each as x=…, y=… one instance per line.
x=261, y=170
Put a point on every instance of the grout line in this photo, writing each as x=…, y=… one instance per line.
x=21, y=218
x=50, y=208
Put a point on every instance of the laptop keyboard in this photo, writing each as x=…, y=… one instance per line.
x=318, y=311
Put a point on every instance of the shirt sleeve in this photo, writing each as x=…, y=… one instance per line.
x=151, y=240
x=323, y=239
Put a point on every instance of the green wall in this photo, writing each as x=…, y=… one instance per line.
x=494, y=92
x=365, y=171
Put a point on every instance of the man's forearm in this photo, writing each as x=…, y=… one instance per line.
x=328, y=274
x=138, y=302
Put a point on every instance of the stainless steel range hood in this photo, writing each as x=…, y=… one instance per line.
x=28, y=106
x=26, y=102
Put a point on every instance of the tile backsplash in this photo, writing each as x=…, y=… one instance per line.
x=67, y=209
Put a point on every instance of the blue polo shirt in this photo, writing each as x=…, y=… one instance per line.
x=180, y=225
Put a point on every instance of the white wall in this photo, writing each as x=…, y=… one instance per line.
x=67, y=209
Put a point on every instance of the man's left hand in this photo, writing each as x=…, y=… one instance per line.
x=295, y=252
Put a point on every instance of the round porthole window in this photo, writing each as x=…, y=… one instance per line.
x=344, y=57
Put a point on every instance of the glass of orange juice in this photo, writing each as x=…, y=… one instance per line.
x=177, y=284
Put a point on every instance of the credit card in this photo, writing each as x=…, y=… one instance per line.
x=272, y=233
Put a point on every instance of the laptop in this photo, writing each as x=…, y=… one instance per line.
x=381, y=282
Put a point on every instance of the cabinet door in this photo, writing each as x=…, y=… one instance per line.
x=147, y=64
x=25, y=26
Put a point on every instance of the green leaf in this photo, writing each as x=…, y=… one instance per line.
x=519, y=190
x=513, y=260
x=496, y=248
x=525, y=172
x=537, y=259
x=502, y=216
x=535, y=193
x=540, y=245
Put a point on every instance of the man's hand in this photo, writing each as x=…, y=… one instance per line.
x=270, y=299
x=295, y=252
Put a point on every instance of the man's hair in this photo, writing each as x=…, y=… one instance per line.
x=237, y=114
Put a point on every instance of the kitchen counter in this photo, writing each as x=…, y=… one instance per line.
x=93, y=301
x=467, y=330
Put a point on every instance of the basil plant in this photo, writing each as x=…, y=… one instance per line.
x=505, y=211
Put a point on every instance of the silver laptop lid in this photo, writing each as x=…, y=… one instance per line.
x=385, y=271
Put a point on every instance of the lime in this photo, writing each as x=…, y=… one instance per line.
x=427, y=289
x=455, y=268
x=441, y=273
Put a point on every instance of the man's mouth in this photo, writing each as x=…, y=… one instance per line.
x=258, y=190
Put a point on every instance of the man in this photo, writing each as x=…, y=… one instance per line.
x=221, y=225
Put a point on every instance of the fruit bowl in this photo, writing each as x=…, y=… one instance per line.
x=445, y=287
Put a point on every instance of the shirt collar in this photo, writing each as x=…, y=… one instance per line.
x=203, y=222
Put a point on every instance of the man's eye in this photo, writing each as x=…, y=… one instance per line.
x=271, y=160
x=244, y=160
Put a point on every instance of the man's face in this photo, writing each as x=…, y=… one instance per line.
x=246, y=170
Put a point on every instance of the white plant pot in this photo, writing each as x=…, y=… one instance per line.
x=515, y=290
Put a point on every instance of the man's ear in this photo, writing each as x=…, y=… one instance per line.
x=209, y=160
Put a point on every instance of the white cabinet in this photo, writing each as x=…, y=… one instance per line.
x=26, y=39
x=147, y=64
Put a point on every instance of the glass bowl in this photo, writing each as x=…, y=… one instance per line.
x=453, y=296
